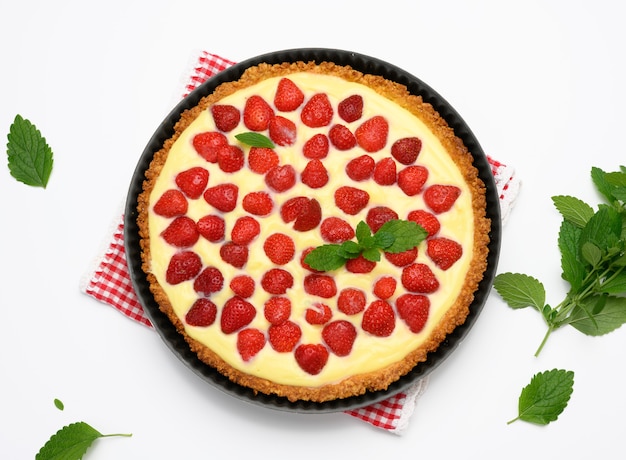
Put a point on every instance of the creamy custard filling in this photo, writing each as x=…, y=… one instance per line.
x=369, y=353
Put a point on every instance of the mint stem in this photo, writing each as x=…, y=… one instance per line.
x=545, y=339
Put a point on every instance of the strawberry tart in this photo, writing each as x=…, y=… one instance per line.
x=312, y=231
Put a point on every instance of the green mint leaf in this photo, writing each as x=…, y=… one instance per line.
x=520, y=291
x=591, y=253
x=350, y=249
x=371, y=254
x=618, y=182
x=572, y=266
x=603, y=229
x=29, y=155
x=71, y=442
x=598, y=177
x=614, y=283
x=573, y=210
x=58, y=404
x=384, y=240
x=362, y=231
x=545, y=397
x=255, y=140
x=325, y=258
x=407, y=235
x=590, y=320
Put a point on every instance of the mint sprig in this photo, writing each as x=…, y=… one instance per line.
x=30, y=157
x=255, y=139
x=393, y=236
x=593, y=261
x=545, y=397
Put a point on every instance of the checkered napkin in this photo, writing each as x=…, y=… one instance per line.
x=110, y=283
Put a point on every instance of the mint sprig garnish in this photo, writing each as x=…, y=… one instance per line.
x=592, y=244
x=255, y=140
x=72, y=441
x=393, y=236
x=30, y=157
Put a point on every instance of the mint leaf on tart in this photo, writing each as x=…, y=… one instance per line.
x=30, y=158
x=592, y=245
x=255, y=140
x=393, y=236
x=545, y=397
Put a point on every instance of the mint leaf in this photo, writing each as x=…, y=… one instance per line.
x=255, y=140
x=71, y=442
x=520, y=291
x=29, y=155
x=594, y=322
x=572, y=266
x=407, y=234
x=573, y=210
x=58, y=404
x=326, y=257
x=545, y=397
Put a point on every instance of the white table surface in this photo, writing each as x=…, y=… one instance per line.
x=541, y=84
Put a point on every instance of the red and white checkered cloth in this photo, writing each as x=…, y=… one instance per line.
x=110, y=281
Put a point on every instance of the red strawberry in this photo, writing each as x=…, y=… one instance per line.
x=281, y=178
x=209, y=280
x=311, y=357
x=360, y=265
x=226, y=116
x=181, y=232
x=222, y=197
x=230, y=158
x=257, y=113
x=444, y=252
x=211, y=227
x=336, y=230
x=372, y=134
x=284, y=336
x=282, y=131
x=237, y=313
x=249, y=343
x=317, y=111
x=406, y=150
x=402, y=259
x=206, y=144
x=360, y=168
x=318, y=313
x=172, y=203
x=379, y=319
x=384, y=287
x=288, y=96
x=314, y=174
x=351, y=108
x=242, y=285
x=279, y=248
x=234, y=254
x=305, y=213
x=351, y=301
x=413, y=309
x=193, y=181
x=277, y=310
x=316, y=147
x=339, y=336
x=426, y=220
x=304, y=264
x=341, y=137
x=320, y=285
x=412, y=178
x=440, y=198
x=351, y=200
x=183, y=266
x=258, y=203
x=276, y=281
x=378, y=216
x=419, y=277
x=385, y=172
x=262, y=159
x=245, y=230
x=202, y=313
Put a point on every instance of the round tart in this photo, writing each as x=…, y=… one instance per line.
x=265, y=177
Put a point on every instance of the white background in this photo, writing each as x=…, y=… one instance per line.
x=541, y=84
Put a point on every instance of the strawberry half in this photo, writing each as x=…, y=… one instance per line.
x=249, y=343
x=360, y=168
x=288, y=96
x=208, y=281
x=317, y=112
x=284, y=336
x=193, y=181
x=279, y=248
x=406, y=150
x=282, y=131
x=242, y=285
x=441, y=198
x=211, y=227
x=351, y=108
x=226, y=117
x=172, y=203
x=237, y=313
x=351, y=200
x=183, y=266
x=339, y=336
x=316, y=147
x=202, y=313
x=222, y=197
x=419, y=278
x=318, y=313
x=351, y=301
x=378, y=216
x=206, y=144
x=281, y=178
x=311, y=357
x=276, y=281
x=305, y=213
x=412, y=178
x=336, y=230
x=379, y=319
x=245, y=229
x=234, y=254
x=257, y=113
x=182, y=232
x=372, y=134
x=277, y=309
x=341, y=137
x=314, y=174
x=258, y=203
x=320, y=285
x=444, y=252
x=413, y=309
x=262, y=159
